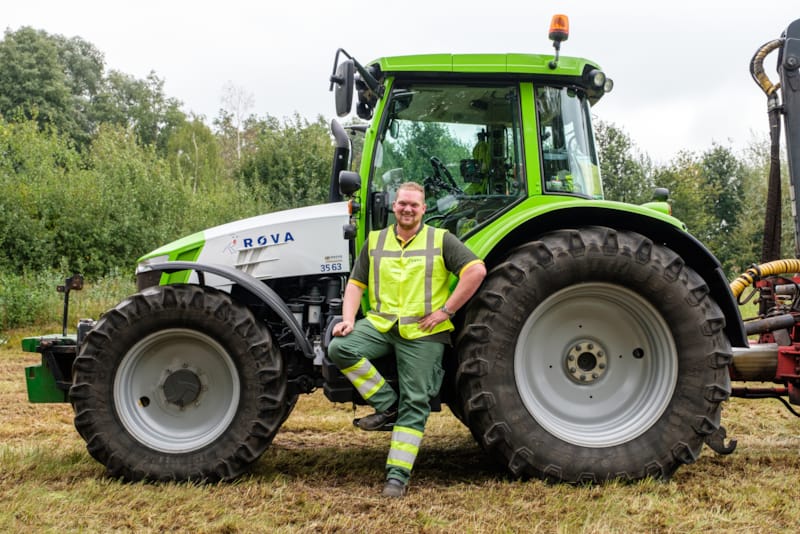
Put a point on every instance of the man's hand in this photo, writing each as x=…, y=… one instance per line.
x=427, y=323
x=342, y=328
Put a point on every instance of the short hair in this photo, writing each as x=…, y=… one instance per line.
x=412, y=186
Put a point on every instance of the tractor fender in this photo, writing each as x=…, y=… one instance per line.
x=257, y=288
x=691, y=250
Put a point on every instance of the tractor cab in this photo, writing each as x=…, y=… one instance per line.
x=481, y=133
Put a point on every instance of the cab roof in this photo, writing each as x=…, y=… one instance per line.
x=485, y=64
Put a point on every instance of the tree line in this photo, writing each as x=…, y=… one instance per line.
x=98, y=167
x=720, y=195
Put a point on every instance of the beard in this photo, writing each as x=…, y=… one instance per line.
x=408, y=224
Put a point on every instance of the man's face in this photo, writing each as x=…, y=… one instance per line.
x=408, y=207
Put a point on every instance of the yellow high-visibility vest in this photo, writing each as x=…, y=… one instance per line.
x=406, y=284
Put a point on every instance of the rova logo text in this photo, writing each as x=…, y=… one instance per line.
x=266, y=240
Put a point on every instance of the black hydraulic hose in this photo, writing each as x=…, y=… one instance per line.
x=771, y=246
x=748, y=393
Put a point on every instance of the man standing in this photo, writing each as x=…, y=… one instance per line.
x=406, y=267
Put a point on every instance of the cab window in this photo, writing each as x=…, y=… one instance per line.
x=569, y=159
x=461, y=142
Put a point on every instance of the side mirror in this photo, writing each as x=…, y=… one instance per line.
x=394, y=128
x=379, y=209
x=344, y=82
x=349, y=182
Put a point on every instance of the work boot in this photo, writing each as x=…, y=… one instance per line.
x=394, y=489
x=378, y=420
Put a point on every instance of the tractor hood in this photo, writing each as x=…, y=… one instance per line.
x=297, y=242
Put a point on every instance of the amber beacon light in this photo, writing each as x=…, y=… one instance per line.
x=559, y=28
x=559, y=31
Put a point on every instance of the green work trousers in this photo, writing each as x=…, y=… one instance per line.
x=419, y=375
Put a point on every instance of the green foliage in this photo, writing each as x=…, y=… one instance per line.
x=32, y=177
x=33, y=84
x=128, y=204
x=61, y=83
x=28, y=298
x=193, y=154
x=707, y=192
x=624, y=172
x=291, y=160
x=31, y=298
x=719, y=195
x=722, y=178
x=99, y=211
x=419, y=142
x=140, y=105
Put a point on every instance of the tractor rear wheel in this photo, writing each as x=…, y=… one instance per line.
x=593, y=354
x=178, y=383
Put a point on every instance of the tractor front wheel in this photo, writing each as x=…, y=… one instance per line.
x=178, y=383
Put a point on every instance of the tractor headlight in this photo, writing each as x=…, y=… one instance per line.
x=597, y=79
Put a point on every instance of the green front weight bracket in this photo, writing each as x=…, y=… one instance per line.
x=47, y=383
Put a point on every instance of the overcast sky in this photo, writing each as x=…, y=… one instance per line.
x=680, y=68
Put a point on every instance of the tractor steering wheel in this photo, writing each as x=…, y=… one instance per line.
x=440, y=171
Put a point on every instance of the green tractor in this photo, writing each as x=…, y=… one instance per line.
x=600, y=345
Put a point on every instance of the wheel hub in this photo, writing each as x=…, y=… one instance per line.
x=182, y=387
x=586, y=361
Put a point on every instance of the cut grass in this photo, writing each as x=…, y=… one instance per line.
x=323, y=475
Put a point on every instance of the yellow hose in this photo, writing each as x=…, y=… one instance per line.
x=758, y=272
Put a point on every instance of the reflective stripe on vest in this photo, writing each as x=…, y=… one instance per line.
x=405, y=447
x=406, y=284
x=364, y=377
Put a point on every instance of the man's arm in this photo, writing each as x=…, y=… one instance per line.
x=352, y=300
x=468, y=283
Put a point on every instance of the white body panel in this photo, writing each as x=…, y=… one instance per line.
x=297, y=242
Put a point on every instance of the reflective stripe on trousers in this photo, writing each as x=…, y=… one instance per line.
x=365, y=377
x=404, y=449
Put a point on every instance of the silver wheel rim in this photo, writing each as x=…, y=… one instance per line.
x=632, y=354
x=142, y=389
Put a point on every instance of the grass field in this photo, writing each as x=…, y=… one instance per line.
x=323, y=475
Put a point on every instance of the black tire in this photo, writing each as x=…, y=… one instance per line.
x=593, y=354
x=178, y=383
